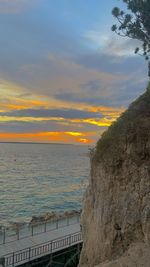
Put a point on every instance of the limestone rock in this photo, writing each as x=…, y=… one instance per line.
x=138, y=255
x=116, y=212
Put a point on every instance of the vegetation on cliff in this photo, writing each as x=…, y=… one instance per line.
x=132, y=127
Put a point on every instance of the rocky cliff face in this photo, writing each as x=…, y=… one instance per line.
x=116, y=213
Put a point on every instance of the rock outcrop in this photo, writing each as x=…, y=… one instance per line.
x=116, y=212
x=137, y=255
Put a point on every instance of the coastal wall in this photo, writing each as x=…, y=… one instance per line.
x=116, y=212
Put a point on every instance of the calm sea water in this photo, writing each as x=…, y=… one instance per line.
x=40, y=178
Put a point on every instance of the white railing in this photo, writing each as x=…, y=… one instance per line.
x=32, y=253
x=27, y=230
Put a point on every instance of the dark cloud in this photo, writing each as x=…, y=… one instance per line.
x=120, y=93
x=48, y=126
x=25, y=127
x=113, y=63
x=27, y=38
x=93, y=86
x=58, y=113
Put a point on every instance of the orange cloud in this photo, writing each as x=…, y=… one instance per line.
x=103, y=122
x=24, y=104
x=108, y=111
x=100, y=122
x=18, y=98
x=47, y=137
x=75, y=133
x=84, y=140
x=14, y=103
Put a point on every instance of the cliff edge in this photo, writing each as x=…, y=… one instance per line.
x=116, y=212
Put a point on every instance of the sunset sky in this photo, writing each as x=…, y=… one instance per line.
x=64, y=76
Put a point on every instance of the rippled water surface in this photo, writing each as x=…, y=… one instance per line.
x=39, y=178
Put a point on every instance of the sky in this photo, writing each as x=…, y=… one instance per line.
x=64, y=76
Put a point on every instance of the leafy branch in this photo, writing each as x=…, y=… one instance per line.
x=135, y=25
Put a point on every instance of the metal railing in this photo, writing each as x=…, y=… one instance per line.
x=31, y=253
x=28, y=230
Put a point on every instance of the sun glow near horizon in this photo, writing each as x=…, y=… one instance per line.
x=47, y=137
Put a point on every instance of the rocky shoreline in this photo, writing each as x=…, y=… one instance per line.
x=53, y=216
x=49, y=216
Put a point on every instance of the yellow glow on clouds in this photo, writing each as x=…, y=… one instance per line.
x=64, y=137
x=98, y=122
x=14, y=97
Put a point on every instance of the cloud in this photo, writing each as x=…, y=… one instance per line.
x=15, y=6
x=66, y=125
x=17, y=99
x=55, y=113
x=92, y=86
x=121, y=47
x=112, y=44
x=118, y=65
x=50, y=137
x=56, y=74
x=68, y=75
x=117, y=94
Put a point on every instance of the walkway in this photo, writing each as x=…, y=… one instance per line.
x=66, y=233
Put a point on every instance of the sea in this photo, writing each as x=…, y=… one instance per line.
x=40, y=178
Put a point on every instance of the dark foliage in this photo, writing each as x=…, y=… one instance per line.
x=135, y=25
x=131, y=128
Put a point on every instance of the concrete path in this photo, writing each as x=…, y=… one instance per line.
x=57, y=238
x=38, y=239
x=27, y=230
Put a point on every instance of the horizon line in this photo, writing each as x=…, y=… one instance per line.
x=40, y=143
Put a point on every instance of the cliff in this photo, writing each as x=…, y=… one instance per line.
x=116, y=212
